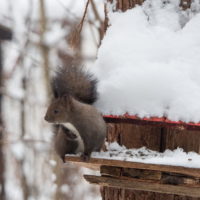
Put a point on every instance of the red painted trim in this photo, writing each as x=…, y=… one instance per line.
x=162, y=121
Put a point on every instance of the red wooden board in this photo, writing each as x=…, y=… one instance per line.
x=157, y=121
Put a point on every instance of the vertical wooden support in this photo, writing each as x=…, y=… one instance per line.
x=2, y=191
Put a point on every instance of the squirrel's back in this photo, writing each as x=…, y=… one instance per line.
x=75, y=81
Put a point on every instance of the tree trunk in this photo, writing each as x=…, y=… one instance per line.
x=44, y=48
x=2, y=169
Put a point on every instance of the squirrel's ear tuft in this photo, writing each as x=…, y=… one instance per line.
x=65, y=97
x=67, y=101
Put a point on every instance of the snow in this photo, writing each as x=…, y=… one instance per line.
x=176, y=157
x=149, y=64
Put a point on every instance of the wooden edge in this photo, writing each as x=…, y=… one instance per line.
x=154, y=121
x=136, y=184
x=95, y=167
x=97, y=162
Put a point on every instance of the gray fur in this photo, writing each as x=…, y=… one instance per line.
x=74, y=80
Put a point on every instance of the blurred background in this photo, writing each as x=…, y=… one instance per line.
x=45, y=34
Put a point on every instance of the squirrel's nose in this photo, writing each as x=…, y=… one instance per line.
x=46, y=118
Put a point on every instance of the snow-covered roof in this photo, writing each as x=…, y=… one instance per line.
x=155, y=121
x=149, y=65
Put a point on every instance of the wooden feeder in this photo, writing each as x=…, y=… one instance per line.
x=125, y=180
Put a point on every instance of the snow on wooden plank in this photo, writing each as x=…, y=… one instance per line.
x=97, y=162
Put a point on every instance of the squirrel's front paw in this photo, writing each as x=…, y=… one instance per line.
x=85, y=157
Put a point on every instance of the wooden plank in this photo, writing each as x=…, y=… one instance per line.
x=130, y=172
x=162, y=177
x=126, y=194
x=186, y=139
x=130, y=135
x=136, y=136
x=175, y=179
x=135, y=184
x=141, y=174
x=88, y=165
x=110, y=171
x=195, y=172
x=154, y=121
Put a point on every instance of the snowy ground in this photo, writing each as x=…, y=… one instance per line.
x=176, y=157
x=149, y=63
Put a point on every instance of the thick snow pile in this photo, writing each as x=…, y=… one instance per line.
x=143, y=155
x=149, y=62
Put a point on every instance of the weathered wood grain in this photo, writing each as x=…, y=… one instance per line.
x=134, y=136
x=125, y=164
x=127, y=194
x=173, y=138
x=135, y=184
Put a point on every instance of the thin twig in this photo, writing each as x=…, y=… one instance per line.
x=74, y=37
x=83, y=18
x=96, y=13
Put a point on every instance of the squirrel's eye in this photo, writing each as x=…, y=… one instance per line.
x=56, y=111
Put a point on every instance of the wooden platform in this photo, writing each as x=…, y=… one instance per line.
x=135, y=176
x=125, y=180
x=95, y=164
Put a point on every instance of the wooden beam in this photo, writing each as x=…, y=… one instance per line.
x=154, y=121
x=144, y=174
x=150, y=186
x=97, y=162
x=81, y=163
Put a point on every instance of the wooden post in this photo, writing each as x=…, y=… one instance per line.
x=2, y=190
x=5, y=34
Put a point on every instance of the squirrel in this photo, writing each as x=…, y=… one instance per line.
x=67, y=140
x=74, y=91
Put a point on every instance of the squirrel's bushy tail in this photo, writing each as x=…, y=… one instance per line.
x=75, y=81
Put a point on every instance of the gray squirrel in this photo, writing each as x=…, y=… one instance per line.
x=74, y=90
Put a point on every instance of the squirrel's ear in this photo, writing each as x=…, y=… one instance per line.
x=65, y=98
x=67, y=101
